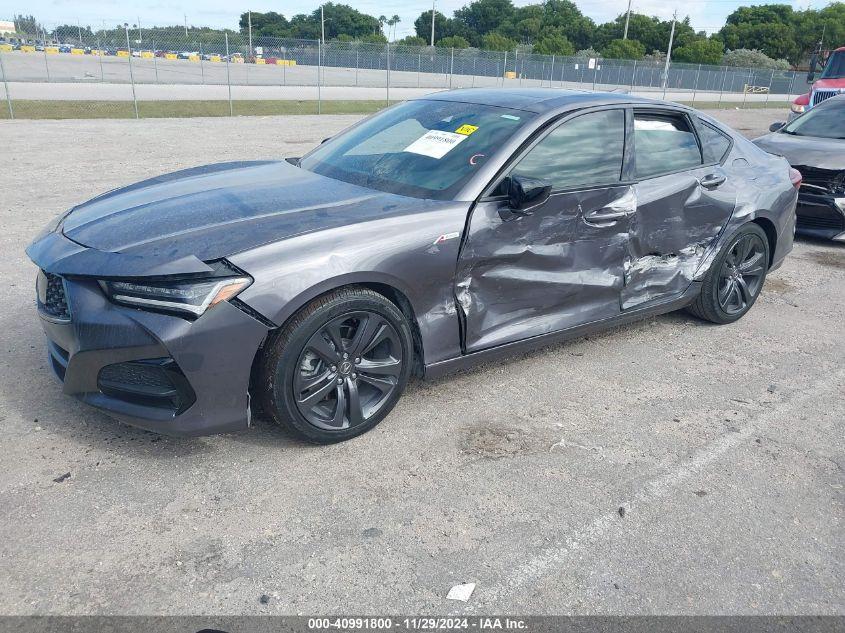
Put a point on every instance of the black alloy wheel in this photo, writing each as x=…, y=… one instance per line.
x=348, y=370
x=338, y=366
x=735, y=278
x=742, y=274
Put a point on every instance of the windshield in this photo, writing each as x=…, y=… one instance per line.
x=835, y=66
x=824, y=121
x=423, y=149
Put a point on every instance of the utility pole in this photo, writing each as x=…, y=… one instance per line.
x=627, y=20
x=79, y=31
x=669, y=52
x=432, y=23
x=323, y=25
x=249, y=27
x=186, y=24
x=140, y=33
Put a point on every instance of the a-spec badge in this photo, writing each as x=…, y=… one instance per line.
x=446, y=237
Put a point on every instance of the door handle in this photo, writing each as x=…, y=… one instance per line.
x=617, y=210
x=711, y=181
x=604, y=216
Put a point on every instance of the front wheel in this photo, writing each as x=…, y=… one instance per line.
x=338, y=367
x=735, y=278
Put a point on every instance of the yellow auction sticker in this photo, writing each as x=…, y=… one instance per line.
x=466, y=129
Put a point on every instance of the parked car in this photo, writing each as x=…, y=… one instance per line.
x=441, y=232
x=814, y=144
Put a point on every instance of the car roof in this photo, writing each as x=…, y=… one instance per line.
x=539, y=100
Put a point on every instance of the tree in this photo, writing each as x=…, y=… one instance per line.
x=553, y=43
x=624, y=49
x=484, y=16
x=701, y=51
x=655, y=57
x=374, y=38
x=774, y=39
x=452, y=41
x=412, y=40
x=587, y=53
x=497, y=42
x=745, y=58
x=422, y=25
x=27, y=25
x=70, y=33
x=269, y=24
x=396, y=20
x=574, y=25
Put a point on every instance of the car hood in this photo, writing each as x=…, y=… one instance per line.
x=822, y=153
x=206, y=213
x=827, y=84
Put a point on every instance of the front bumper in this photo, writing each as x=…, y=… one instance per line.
x=213, y=354
x=820, y=216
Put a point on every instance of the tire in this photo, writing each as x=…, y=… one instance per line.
x=735, y=278
x=307, y=385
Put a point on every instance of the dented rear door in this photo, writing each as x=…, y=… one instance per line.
x=682, y=207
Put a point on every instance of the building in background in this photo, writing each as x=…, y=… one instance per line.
x=7, y=27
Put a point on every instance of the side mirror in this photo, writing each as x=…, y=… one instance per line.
x=814, y=62
x=524, y=192
x=774, y=127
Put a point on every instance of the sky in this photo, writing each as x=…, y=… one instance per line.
x=706, y=15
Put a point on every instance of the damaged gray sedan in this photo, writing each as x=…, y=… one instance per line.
x=441, y=232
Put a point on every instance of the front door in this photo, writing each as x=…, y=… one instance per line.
x=562, y=264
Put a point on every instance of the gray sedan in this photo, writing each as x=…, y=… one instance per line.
x=438, y=233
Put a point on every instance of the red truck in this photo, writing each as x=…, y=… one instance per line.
x=831, y=82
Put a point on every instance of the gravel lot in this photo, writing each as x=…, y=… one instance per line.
x=666, y=467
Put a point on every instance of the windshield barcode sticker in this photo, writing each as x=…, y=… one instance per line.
x=435, y=144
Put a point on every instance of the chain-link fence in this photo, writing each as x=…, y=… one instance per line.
x=167, y=73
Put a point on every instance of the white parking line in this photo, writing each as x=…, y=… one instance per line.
x=536, y=567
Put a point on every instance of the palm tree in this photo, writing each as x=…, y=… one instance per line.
x=381, y=21
x=396, y=20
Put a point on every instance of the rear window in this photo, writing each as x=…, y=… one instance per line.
x=714, y=143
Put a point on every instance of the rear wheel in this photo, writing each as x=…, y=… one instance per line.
x=338, y=367
x=735, y=278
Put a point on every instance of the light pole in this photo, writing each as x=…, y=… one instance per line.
x=131, y=76
x=669, y=53
x=432, y=23
x=322, y=25
x=249, y=27
x=186, y=24
x=627, y=20
x=140, y=33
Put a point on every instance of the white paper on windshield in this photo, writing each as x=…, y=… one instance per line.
x=435, y=144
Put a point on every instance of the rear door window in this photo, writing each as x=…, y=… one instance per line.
x=714, y=143
x=664, y=143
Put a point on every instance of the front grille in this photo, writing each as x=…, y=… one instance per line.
x=51, y=296
x=821, y=181
x=155, y=382
x=821, y=223
x=822, y=95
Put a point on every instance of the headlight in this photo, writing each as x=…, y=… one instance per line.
x=191, y=296
x=840, y=202
x=797, y=108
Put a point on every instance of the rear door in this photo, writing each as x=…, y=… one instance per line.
x=560, y=265
x=684, y=200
